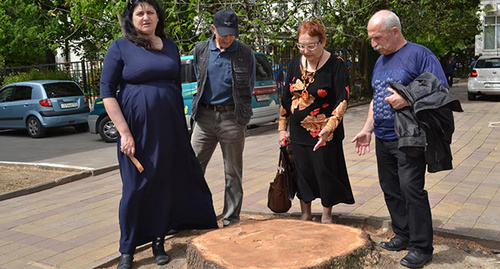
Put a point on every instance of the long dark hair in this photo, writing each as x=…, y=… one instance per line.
x=129, y=28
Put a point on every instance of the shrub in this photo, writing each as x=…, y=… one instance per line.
x=37, y=75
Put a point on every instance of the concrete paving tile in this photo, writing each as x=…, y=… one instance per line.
x=35, y=256
x=446, y=208
x=466, y=215
x=369, y=209
x=91, y=259
x=484, y=230
x=479, y=200
x=50, y=244
x=100, y=223
x=435, y=198
x=463, y=189
x=20, y=264
x=459, y=226
x=457, y=198
x=89, y=253
x=15, y=236
x=23, y=254
x=490, y=216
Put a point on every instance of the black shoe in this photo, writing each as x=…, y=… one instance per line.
x=161, y=257
x=415, y=259
x=395, y=244
x=125, y=261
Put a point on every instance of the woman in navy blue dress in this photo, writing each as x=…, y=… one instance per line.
x=171, y=192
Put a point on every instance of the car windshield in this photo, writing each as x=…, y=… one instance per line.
x=263, y=69
x=187, y=72
x=62, y=89
x=488, y=63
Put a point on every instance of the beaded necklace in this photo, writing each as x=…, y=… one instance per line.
x=307, y=77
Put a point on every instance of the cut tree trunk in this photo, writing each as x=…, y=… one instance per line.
x=281, y=243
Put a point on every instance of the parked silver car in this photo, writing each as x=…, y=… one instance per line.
x=41, y=104
x=484, y=79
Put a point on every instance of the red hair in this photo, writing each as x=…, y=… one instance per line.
x=312, y=28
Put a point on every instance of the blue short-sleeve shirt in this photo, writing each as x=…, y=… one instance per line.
x=402, y=67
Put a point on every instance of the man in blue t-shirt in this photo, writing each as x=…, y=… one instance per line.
x=401, y=176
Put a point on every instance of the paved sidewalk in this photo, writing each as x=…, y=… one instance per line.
x=75, y=225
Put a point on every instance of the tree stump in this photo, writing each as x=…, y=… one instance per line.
x=281, y=243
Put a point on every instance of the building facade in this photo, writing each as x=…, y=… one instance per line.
x=488, y=42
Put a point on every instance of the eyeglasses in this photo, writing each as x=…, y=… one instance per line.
x=308, y=46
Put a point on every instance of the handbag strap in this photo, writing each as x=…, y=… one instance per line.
x=281, y=162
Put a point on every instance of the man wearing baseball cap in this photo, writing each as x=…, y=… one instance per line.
x=222, y=107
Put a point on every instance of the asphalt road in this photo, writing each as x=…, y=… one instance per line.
x=62, y=146
x=66, y=147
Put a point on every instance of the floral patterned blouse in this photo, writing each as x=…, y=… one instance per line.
x=312, y=101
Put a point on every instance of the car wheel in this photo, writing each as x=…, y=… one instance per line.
x=35, y=127
x=82, y=127
x=471, y=96
x=107, y=130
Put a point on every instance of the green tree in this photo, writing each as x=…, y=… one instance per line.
x=24, y=33
x=442, y=26
x=31, y=31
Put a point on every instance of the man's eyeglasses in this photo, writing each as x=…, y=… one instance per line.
x=308, y=46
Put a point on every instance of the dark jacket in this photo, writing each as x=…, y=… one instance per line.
x=241, y=72
x=427, y=124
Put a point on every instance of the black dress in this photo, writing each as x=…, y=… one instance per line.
x=172, y=192
x=321, y=173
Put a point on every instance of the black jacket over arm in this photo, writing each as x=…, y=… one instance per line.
x=428, y=122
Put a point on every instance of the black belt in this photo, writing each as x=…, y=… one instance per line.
x=217, y=108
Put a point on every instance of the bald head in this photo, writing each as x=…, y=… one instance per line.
x=387, y=19
x=384, y=30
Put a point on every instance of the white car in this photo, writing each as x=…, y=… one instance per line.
x=484, y=79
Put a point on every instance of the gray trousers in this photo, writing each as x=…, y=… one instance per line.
x=214, y=127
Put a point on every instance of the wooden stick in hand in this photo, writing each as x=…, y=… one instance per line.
x=137, y=164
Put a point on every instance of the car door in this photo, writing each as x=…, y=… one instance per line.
x=5, y=100
x=20, y=105
x=15, y=102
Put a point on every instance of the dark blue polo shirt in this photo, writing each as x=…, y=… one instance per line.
x=219, y=87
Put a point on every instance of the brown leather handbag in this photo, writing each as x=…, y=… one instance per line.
x=277, y=197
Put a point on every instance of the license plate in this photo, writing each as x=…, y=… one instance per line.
x=491, y=85
x=69, y=105
x=263, y=97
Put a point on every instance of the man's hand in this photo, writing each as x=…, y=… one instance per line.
x=362, y=140
x=396, y=100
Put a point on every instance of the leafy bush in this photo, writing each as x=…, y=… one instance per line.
x=37, y=75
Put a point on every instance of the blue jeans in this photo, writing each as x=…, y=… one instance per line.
x=214, y=127
x=402, y=179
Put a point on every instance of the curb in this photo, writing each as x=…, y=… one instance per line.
x=80, y=173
